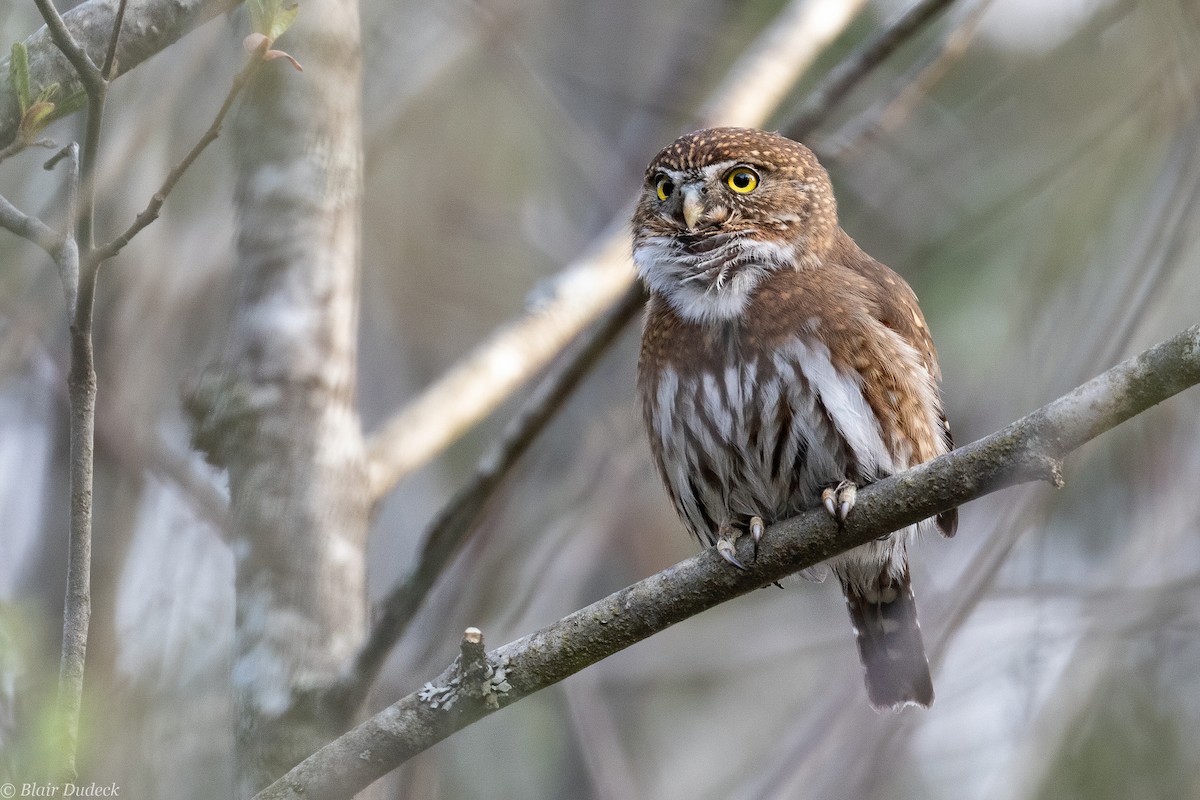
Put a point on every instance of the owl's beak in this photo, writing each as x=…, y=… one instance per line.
x=693, y=205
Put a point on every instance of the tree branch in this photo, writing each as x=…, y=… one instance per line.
x=850, y=72
x=1029, y=449
x=86, y=71
x=90, y=24
x=17, y=221
x=154, y=207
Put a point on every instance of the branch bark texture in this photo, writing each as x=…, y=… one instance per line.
x=1030, y=449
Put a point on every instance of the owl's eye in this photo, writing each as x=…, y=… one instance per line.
x=742, y=180
x=664, y=186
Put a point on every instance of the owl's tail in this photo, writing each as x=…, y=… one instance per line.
x=889, y=642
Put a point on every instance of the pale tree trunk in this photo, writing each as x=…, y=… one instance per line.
x=279, y=412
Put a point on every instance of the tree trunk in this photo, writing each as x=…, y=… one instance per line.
x=279, y=412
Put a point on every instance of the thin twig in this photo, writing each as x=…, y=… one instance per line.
x=110, y=58
x=1030, y=449
x=154, y=207
x=459, y=517
x=28, y=227
x=847, y=74
x=91, y=23
x=888, y=113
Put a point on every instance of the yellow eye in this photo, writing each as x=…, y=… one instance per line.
x=664, y=186
x=742, y=180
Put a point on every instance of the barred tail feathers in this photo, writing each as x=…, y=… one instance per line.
x=889, y=642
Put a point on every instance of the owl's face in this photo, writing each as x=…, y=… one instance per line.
x=723, y=207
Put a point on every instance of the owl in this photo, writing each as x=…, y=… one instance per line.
x=781, y=368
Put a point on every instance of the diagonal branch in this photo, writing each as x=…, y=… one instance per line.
x=850, y=72
x=1030, y=449
x=29, y=227
x=154, y=207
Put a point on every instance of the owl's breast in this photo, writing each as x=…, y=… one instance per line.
x=742, y=431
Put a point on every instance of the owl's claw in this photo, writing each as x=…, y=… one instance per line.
x=725, y=549
x=726, y=536
x=839, y=500
x=756, y=532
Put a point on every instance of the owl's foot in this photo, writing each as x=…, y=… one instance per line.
x=726, y=538
x=839, y=500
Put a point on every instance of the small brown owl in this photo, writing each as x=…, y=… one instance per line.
x=781, y=368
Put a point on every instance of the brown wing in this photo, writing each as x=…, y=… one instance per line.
x=896, y=307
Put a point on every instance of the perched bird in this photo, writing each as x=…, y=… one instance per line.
x=782, y=368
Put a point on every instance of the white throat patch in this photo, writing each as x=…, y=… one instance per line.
x=712, y=286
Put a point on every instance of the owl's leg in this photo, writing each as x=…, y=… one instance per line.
x=727, y=536
x=840, y=499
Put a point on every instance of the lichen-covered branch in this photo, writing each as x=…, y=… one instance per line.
x=1030, y=449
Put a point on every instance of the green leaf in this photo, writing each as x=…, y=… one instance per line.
x=46, y=95
x=69, y=104
x=34, y=119
x=18, y=74
x=271, y=18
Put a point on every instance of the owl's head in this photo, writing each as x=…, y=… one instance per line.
x=723, y=207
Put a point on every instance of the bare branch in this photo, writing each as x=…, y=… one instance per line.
x=846, y=75
x=754, y=87
x=1030, y=449
x=154, y=207
x=110, y=58
x=889, y=111
x=27, y=227
x=478, y=383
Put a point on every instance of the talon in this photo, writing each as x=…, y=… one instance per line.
x=839, y=500
x=830, y=506
x=756, y=532
x=725, y=548
x=847, y=494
